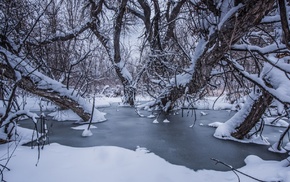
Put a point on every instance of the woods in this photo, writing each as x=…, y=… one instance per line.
x=66, y=51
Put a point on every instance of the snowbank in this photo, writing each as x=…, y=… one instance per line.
x=69, y=115
x=215, y=103
x=225, y=130
x=115, y=164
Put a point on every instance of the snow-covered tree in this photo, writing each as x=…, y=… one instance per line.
x=186, y=49
x=19, y=69
x=243, y=39
x=268, y=46
x=162, y=55
x=213, y=27
x=109, y=34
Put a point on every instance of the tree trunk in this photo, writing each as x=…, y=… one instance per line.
x=56, y=97
x=129, y=95
x=215, y=47
x=113, y=48
x=128, y=85
x=253, y=117
x=29, y=84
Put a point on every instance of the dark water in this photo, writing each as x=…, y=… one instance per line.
x=176, y=142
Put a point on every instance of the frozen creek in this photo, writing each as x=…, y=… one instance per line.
x=175, y=141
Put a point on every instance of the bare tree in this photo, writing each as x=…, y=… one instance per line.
x=16, y=63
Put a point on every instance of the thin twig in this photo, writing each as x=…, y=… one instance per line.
x=8, y=159
x=235, y=170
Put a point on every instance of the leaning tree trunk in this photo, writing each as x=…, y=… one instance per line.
x=56, y=97
x=253, y=117
x=216, y=46
x=34, y=84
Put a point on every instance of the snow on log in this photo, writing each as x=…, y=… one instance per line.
x=31, y=80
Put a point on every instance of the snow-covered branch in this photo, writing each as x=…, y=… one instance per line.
x=39, y=84
x=230, y=13
x=19, y=113
x=272, y=48
x=271, y=80
x=63, y=36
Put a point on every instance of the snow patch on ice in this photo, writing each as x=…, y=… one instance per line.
x=215, y=124
x=87, y=133
x=151, y=116
x=166, y=121
x=274, y=148
x=64, y=115
x=261, y=140
x=155, y=121
x=85, y=126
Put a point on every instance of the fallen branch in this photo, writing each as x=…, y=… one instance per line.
x=235, y=170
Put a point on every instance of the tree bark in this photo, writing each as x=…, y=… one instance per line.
x=171, y=19
x=253, y=117
x=129, y=95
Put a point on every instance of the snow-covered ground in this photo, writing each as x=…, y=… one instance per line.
x=115, y=164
